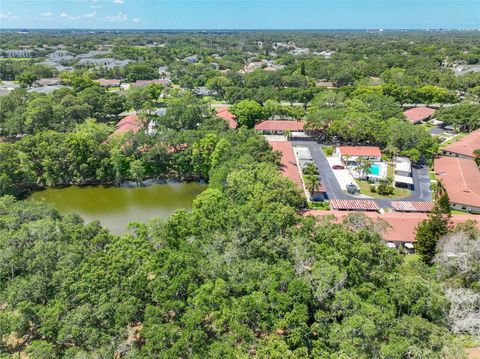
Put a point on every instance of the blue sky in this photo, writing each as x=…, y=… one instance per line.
x=246, y=14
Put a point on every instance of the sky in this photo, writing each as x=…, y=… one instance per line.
x=234, y=14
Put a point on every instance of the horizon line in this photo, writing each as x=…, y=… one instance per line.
x=240, y=29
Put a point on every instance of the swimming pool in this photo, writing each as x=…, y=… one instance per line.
x=375, y=169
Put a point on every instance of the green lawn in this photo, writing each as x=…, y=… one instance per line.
x=457, y=211
x=432, y=176
x=391, y=170
x=319, y=205
x=15, y=58
x=213, y=101
x=454, y=139
x=397, y=192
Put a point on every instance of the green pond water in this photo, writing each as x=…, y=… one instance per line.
x=115, y=207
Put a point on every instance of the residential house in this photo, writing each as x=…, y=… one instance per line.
x=326, y=84
x=8, y=85
x=279, y=127
x=56, y=65
x=326, y=54
x=141, y=83
x=350, y=155
x=461, y=179
x=130, y=123
x=288, y=163
x=108, y=82
x=61, y=55
x=93, y=53
x=299, y=51
x=252, y=66
x=191, y=59
x=48, y=81
x=418, y=114
x=224, y=113
x=108, y=63
x=203, y=91
x=401, y=226
x=47, y=89
x=24, y=53
x=464, y=147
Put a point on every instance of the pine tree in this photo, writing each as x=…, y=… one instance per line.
x=302, y=68
x=429, y=231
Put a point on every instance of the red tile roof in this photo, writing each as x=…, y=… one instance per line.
x=401, y=225
x=418, y=114
x=130, y=123
x=280, y=125
x=353, y=205
x=132, y=118
x=288, y=165
x=466, y=145
x=407, y=206
x=360, y=151
x=461, y=178
x=327, y=84
x=108, y=82
x=224, y=113
x=140, y=83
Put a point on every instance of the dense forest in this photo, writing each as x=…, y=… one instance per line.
x=239, y=275
x=242, y=274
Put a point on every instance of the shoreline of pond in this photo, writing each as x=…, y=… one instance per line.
x=124, y=184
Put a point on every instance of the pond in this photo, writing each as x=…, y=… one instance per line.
x=115, y=207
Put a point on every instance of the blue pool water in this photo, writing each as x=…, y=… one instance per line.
x=375, y=169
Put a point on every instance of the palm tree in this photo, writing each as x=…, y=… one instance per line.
x=311, y=182
x=310, y=169
x=438, y=189
x=310, y=177
x=392, y=150
x=363, y=167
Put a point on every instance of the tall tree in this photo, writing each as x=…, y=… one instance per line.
x=310, y=176
x=247, y=113
x=430, y=230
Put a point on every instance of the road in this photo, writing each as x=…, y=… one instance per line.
x=421, y=180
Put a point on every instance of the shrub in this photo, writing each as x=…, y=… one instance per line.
x=328, y=150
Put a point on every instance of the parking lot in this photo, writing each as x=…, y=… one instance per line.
x=421, y=181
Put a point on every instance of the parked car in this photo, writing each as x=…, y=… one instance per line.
x=352, y=189
x=317, y=198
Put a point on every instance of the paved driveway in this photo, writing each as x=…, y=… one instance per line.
x=421, y=180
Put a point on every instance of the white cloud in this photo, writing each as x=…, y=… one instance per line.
x=92, y=14
x=69, y=17
x=5, y=15
x=47, y=14
x=118, y=1
x=120, y=17
x=136, y=20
